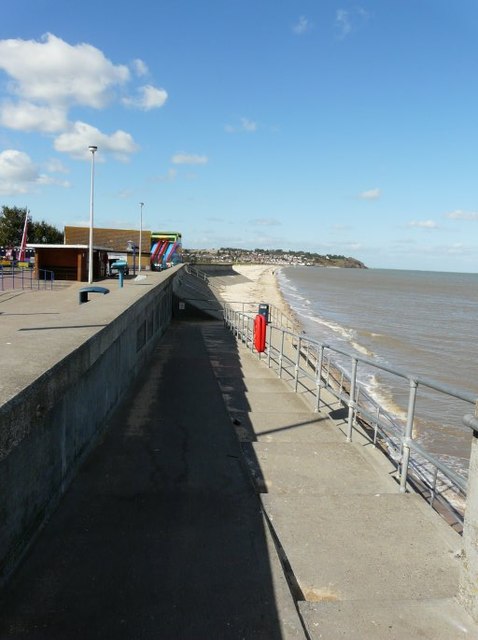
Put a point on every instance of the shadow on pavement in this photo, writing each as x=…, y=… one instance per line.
x=161, y=533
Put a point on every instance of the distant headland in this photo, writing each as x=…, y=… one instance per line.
x=269, y=256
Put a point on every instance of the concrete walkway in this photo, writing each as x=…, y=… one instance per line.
x=363, y=561
x=179, y=528
x=161, y=535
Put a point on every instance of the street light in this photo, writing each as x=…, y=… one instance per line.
x=92, y=149
x=141, y=204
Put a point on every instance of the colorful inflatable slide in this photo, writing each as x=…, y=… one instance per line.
x=165, y=249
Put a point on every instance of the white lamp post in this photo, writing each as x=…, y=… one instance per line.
x=141, y=204
x=92, y=149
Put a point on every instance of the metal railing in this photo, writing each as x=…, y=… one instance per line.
x=196, y=272
x=23, y=278
x=312, y=367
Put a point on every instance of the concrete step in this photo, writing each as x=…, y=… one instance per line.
x=434, y=619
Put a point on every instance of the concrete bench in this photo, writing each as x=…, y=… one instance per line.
x=83, y=293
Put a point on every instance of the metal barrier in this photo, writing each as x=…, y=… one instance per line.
x=196, y=272
x=310, y=365
x=22, y=278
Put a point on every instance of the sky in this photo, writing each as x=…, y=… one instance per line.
x=330, y=126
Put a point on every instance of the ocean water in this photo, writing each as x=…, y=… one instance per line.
x=422, y=323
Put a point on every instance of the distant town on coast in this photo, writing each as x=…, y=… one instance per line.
x=269, y=256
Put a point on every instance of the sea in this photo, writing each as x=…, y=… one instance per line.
x=421, y=323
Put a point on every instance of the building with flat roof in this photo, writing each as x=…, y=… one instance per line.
x=121, y=244
x=159, y=249
x=69, y=262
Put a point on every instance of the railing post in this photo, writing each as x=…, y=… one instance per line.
x=297, y=365
x=412, y=396
x=318, y=380
x=377, y=422
x=269, y=329
x=353, y=383
x=468, y=589
x=281, y=353
x=327, y=377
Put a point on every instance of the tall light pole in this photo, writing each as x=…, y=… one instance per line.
x=141, y=204
x=92, y=149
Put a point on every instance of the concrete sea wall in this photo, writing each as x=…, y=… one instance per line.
x=48, y=427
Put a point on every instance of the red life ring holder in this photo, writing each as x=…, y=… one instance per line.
x=260, y=327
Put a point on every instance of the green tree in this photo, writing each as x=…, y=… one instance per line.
x=43, y=232
x=12, y=220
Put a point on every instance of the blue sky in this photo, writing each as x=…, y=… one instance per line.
x=332, y=126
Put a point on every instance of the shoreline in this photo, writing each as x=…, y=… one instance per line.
x=259, y=284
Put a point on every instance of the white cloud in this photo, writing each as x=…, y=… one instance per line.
x=342, y=20
x=140, y=67
x=48, y=77
x=18, y=174
x=246, y=125
x=188, y=158
x=56, y=166
x=371, y=194
x=55, y=72
x=347, y=21
x=148, y=98
x=169, y=177
x=462, y=215
x=457, y=249
x=26, y=116
x=44, y=179
x=423, y=224
x=302, y=26
x=76, y=141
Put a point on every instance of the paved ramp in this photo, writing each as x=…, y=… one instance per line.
x=364, y=561
x=161, y=535
x=219, y=506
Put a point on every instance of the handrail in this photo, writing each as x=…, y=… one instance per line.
x=308, y=363
x=50, y=279
x=193, y=271
x=22, y=277
x=471, y=421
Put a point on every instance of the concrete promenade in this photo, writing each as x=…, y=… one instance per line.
x=219, y=506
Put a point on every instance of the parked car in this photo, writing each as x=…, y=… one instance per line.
x=113, y=271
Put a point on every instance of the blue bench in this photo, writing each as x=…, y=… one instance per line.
x=86, y=290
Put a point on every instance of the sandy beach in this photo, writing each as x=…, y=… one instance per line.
x=258, y=284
